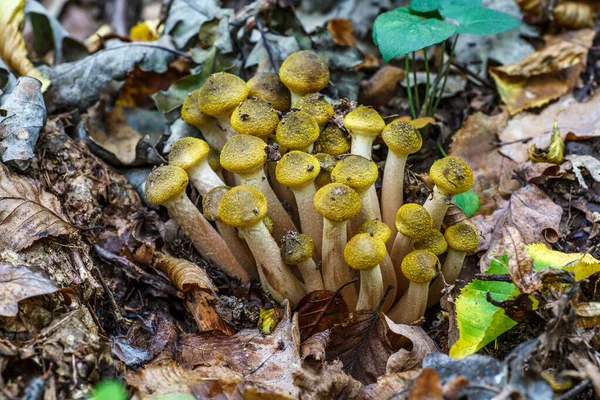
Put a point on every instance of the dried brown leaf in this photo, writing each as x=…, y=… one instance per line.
x=183, y=274
x=313, y=348
x=381, y=87
x=342, y=31
x=427, y=386
x=27, y=212
x=538, y=173
x=392, y=386
x=406, y=360
x=318, y=311
x=17, y=282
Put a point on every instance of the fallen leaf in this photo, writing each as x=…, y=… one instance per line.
x=388, y=387
x=582, y=265
x=590, y=163
x=22, y=117
x=531, y=217
x=555, y=153
x=379, y=89
x=318, y=311
x=539, y=173
x=27, y=212
x=185, y=19
x=18, y=282
x=313, y=348
x=588, y=314
x=342, y=31
x=419, y=123
x=421, y=345
x=427, y=386
x=268, y=318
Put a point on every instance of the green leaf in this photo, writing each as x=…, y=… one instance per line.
x=583, y=265
x=425, y=5
x=479, y=321
x=477, y=20
x=468, y=202
x=461, y=3
x=399, y=32
x=109, y=390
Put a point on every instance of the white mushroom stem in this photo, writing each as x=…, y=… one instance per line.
x=311, y=221
x=371, y=289
x=204, y=178
x=295, y=96
x=362, y=145
x=450, y=270
x=388, y=274
x=412, y=305
x=283, y=193
x=238, y=248
x=402, y=246
x=334, y=269
x=213, y=134
x=204, y=237
x=275, y=276
x=311, y=275
x=224, y=124
x=392, y=191
x=437, y=204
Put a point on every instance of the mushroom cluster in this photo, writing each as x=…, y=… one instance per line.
x=295, y=204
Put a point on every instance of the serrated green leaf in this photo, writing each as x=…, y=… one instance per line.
x=477, y=20
x=582, y=265
x=479, y=321
x=468, y=202
x=109, y=390
x=399, y=32
x=425, y=5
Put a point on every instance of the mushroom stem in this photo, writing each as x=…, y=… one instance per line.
x=311, y=221
x=224, y=124
x=204, y=178
x=335, y=271
x=437, y=205
x=311, y=275
x=371, y=289
x=213, y=134
x=388, y=274
x=392, y=191
x=410, y=307
x=450, y=270
x=238, y=248
x=402, y=246
x=203, y=236
x=362, y=145
x=283, y=193
x=295, y=96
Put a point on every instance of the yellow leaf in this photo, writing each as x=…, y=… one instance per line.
x=146, y=31
x=268, y=319
x=583, y=265
x=12, y=45
x=556, y=150
x=419, y=122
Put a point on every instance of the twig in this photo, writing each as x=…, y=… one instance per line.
x=493, y=277
x=266, y=45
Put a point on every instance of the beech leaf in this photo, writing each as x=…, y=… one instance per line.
x=582, y=265
x=318, y=311
x=17, y=282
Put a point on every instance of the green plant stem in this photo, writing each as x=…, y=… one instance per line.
x=408, y=90
x=427, y=85
x=448, y=63
x=416, y=82
x=438, y=78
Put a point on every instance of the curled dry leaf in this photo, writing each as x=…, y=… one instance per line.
x=539, y=173
x=407, y=360
x=313, y=348
x=27, y=212
x=590, y=163
x=528, y=216
x=17, y=282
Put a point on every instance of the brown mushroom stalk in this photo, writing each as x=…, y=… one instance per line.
x=166, y=186
x=297, y=249
x=364, y=252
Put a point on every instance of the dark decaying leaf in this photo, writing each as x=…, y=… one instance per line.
x=185, y=18
x=17, y=282
x=362, y=344
x=78, y=85
x=8, y=81
x=27, y=212
x=313, y=349
x=318, y=311
x=22, y=116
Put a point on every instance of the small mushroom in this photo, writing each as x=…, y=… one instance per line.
x=166, y=186
x=364, y=252
x=402, y=139
x=420, y=267
x=364, y=125
x=327, y=162
x=255, y=117
x=191, y=154
x=304, y=72
x=337, y=203
x=315, y=105
x=434, y=242
x=268, y=87
x=244, y=208
x=451, y=175
x=191, y=114
x=297, y=249
x=333, y=140
x=297, y=131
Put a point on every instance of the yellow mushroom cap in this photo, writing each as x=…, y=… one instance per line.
x=255, y=117
x=434, y=242
x=333, y=140
x=268, y=87
x=337, y=202
x=296, y=169
x=364, y=251
x=364, y=121
x=420, y=266
x=358, y=172
x=211, y=201
x=463, y=237
x=376, y=228
x=243, y=154
x=327, y=163
x=221, y=93
x=165, y=183
x=297, y=131
x=413, y=221
x=452, y=175
x=315, y=105
x=242, y=207
x=190, y=112
x=402, y=137
x=304, y=72
x=296, y=248
x=187, y=152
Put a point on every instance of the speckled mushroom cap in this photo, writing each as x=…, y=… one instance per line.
x=365, y=121
x=376, y=228
x=268, y=87
x=190, y=112
x=255, y=117
x=462, y=237
x=221, y=93
x=420, y=266
x=243, y=154
x=358, y=172
x=165, y=183
x=304, y=72
x=327, y=163
x=297, y=131
x=364, y=251
x=187, y=152
x=296, y=248
x=333, y=140
x=434, y=242
x=242, y=207
x=211, y=201
x=452, y=175
x=413, y=221
x=402, y=137
x=297, y=169
x=315, y=105
x=337, y=202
